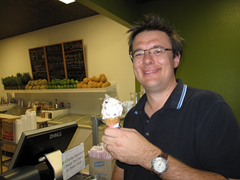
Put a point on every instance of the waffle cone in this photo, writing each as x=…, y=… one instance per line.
x=111, y=121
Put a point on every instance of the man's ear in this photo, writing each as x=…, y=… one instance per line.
x=177, y=59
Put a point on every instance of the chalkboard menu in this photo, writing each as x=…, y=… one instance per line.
x=55, y=62
x=74, y=59
x=38, y=64
x=59, y=61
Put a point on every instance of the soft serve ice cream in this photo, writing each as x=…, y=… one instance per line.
x=111, y=111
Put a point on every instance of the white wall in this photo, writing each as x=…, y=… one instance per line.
x=106, y=50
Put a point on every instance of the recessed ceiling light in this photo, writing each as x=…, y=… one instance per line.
x=67, y=1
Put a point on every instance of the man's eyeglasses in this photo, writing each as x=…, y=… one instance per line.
x=154, y=52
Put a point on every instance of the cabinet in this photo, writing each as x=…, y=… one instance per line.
x=6, y=151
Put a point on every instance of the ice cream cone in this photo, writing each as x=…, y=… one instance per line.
x=112, y=121
x=111, y=111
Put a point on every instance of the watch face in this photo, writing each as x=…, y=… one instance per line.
x=160, y=165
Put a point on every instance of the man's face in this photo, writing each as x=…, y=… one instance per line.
x=154, y=73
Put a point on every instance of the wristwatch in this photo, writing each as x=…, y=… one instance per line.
x=160, y=163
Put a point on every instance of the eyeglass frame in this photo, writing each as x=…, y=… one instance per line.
x=155, y=47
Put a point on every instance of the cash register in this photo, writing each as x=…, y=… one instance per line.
x=38, y=154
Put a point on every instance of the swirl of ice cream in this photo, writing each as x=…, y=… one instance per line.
x=111, y=108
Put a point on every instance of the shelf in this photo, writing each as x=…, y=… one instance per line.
x=6, y=107
x=82, y=90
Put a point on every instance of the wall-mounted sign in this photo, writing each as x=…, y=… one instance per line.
x=59, y=61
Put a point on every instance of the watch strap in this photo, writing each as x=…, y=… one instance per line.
x=164, y=156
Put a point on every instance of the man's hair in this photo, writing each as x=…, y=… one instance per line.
x=154, y=22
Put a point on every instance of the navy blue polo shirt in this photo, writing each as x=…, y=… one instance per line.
x=194, y=126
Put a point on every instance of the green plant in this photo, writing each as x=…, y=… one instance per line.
x=7, y=81
x=12, y=80
x=4, y=82
x=26, y=78
x=19, y=79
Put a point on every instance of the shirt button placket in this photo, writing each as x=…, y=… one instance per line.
x=147, y=128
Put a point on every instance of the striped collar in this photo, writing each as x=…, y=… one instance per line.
x=177, y=97
x=174, y=101
x=184, y=91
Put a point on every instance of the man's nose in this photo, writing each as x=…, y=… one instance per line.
x=147, y=59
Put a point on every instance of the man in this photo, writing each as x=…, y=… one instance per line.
x=175, y=131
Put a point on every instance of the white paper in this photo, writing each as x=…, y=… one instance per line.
x=73, y=161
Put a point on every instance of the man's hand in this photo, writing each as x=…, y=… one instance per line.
x=129, y=146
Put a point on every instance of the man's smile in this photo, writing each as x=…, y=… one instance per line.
x=151, y=71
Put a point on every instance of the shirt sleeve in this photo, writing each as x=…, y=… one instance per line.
x=119, y=164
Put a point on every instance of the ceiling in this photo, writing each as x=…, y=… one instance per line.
x=23, y=16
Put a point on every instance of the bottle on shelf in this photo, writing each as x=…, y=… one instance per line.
x=33, y=120
x=34, y=108
x=28, y=120
x=56, y=105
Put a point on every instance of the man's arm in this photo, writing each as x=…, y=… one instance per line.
x=130, y=147
x=185, y=173
x=178, y=170
x=117, y=173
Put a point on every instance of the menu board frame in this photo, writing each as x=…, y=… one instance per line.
x=66, y=57
x=74, y=57
x=38, y=63
x=55, y=63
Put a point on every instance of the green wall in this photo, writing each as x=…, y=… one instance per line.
x=211, y=57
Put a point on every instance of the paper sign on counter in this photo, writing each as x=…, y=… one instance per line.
x=73, y=161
